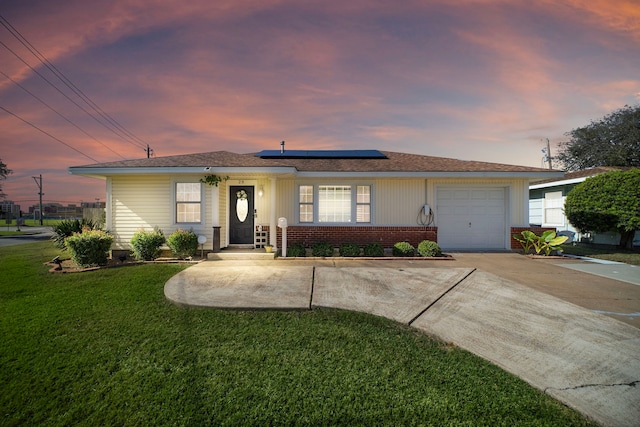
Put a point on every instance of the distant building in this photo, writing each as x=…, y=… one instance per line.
x=93, y=205
x=57, y=211
x=9, y=206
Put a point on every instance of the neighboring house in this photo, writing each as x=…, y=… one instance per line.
x=359, y=196
x=546, y=205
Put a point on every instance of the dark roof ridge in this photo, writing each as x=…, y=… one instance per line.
x=583, y=173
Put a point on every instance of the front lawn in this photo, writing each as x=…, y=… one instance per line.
x=12, y=233
x=106, y=348
x=610, y=253
x=34, y=223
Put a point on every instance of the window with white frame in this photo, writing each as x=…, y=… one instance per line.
x=188, y=202
x=363, y=203
x=553, y=205
x=334, y=203
x=306, y=203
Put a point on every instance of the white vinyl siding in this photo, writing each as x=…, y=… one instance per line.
x=145, y=202
x=139, y=203
x=397, y=201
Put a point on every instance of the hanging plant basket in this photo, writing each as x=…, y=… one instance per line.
x=213, y=180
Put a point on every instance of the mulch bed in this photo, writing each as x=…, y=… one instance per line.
x=69, y=266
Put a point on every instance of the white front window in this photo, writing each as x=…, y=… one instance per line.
x=188, y=202
x=334, y=203
x=553, y=205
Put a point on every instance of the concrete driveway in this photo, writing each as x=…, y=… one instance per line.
x=535, y=319
x=36, y=234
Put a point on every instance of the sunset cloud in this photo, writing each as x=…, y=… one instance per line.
x=473, y=79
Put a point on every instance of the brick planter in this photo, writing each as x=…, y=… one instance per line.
x=387, y=236
x=517, y=230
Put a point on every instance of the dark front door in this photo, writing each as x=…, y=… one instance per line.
x=241, y=215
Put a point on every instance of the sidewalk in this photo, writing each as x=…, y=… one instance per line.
x=32, y=234
x=519, y=313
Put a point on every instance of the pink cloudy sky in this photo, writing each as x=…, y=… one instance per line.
x=470, y=79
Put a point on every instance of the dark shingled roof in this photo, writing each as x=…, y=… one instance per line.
x=395, y=162
x=584, y=173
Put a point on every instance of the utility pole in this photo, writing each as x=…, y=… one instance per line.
x=549, y=154
x=40, y=193
x=149, y=151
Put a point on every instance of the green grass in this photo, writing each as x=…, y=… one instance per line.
x=611, y=253
x=33, y=223
x=106, y=348
x=12, y=233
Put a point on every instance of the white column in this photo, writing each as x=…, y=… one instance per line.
x=273, y=231
x=215, y=206
x=525, y=193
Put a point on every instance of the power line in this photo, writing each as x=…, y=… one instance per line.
x=111, y=124
x=35, y=52
x=47, y=133
x=60, y=114
x=115, y=131
x=61, y=92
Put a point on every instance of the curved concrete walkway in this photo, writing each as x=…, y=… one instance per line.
x=586, y=360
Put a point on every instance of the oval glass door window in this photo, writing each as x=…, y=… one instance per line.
x=242, y=205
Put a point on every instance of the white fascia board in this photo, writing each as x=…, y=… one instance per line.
x=529, y=175
x=558, y=183
x=178, y=170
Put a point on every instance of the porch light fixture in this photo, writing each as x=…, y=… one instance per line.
x=261, y=191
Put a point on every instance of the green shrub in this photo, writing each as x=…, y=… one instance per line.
x=429, y=248
x=349, y=249
x=146, y=244
x=322, y=249
x=183, y=243
x=374, y=249
x=296, y=250
x=68, y=227
x=546, y=243
x=90, y=247
x=527, y=240
x=403, y=249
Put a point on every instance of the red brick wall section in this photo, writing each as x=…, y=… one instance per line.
x=387, y=236
x=515, y=245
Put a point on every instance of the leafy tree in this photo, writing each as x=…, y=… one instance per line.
x=607, y=202
x=4, y=171
x=613, y=140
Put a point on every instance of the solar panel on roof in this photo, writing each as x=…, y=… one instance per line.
x=321, y=154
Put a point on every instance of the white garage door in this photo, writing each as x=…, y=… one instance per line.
x=471, y=218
